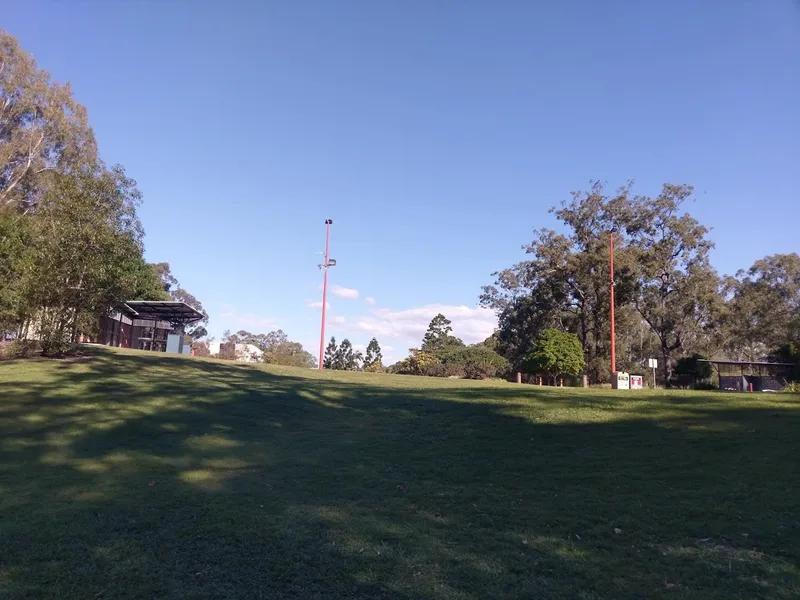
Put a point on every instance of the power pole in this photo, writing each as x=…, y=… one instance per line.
x=324, y=266
x=613, y=333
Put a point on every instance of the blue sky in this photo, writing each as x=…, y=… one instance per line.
x=435, y=135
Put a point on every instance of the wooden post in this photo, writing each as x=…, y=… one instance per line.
x=519, y=377
x=586, y=381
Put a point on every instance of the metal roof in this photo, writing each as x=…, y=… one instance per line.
x=152, y=310
x=748, y=363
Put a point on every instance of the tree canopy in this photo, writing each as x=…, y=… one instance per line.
x=555, y=353
x=43, y=131
x=71, y=242
x=670, y=302
x=438, y=335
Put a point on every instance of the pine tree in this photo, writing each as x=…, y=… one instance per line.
x=346, y=358
x=331, y=355
x=373, y=356
x=438, y=335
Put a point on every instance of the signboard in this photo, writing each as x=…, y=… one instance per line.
x=637, y=382
x=620, y=381
x=653, y=364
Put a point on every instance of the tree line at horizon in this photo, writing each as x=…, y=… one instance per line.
x=274, y=348
x=71, y=242
x=344, y=357
x=71, y=248
x=441, y=354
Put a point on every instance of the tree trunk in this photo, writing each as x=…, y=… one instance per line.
x=666, y=366
x=74, y=332
x=584, y=336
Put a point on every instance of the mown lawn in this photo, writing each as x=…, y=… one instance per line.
x=135, y=475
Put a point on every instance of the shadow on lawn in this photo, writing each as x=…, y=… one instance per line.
x=147, y=476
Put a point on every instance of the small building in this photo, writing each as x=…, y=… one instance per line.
x=747, y=376
x=148, y=325
x=240, y=352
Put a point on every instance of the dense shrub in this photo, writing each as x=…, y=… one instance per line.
x=472, y=362
x=22, y=349
x=692, y=372
x=419, y=363
x=706, y=386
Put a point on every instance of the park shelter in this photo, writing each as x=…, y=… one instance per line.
x=745, y=376
x=148, y=325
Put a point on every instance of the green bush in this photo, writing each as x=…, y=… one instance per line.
x=55, y=343
x=419, y=363
x=24, y=349
x=692, y=372
x=471, y=362
x=793, y=387
x=706, y=386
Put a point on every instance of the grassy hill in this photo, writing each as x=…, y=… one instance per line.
x=138, y=475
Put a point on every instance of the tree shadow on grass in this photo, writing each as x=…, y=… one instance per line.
x=147, y=476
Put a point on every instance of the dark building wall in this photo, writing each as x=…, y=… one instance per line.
x=114, y=333
x=759, y=383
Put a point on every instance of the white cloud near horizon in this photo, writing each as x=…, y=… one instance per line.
x=369, y=300
x=318, y=305
x=339, y=319
x=470, y=324
x=343, y=292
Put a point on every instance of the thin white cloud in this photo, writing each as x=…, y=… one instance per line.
x=231, y=316
x=470, y=324
x=339, y=319
x=369, y=300
x=343, y=292
x=319, y=305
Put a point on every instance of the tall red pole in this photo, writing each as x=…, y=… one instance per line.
x=613, y=333
x=325, y=266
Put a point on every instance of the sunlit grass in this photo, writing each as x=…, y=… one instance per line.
x=138, y=475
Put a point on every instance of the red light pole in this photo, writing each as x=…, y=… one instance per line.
x=325, y=265
x=613, y=333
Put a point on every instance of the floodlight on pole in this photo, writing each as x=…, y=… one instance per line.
x=613, y=333
x=327, y=263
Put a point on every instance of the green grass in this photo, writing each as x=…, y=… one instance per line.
x=137, y=475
